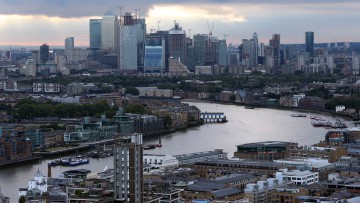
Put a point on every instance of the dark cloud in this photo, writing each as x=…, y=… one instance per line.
x=84, y=8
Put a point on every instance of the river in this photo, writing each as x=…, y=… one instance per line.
x=244, y=126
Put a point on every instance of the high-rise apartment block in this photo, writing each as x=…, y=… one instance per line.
x=128, y=166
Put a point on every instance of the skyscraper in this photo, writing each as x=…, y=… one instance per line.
x=309, y=43
x=95, y=33
x=177, y=43
x=69, y=44
x=200, y=43
x=128, y=41
x=275, y=45
x=249, y=52
x=128, y=160
x=154, y=60
x=44, y=53
x=110, y=32
x=256, y=50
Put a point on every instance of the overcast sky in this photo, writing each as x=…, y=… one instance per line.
x=33, y=22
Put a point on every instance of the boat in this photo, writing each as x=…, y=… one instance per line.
x=73, y=161
x=54, y=163
x=159, y=144
x=298, y=115
x=77, y=162
x=249, y=107
x=339, y=124
x=149, y=146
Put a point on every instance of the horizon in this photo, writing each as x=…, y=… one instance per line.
x=52, y=22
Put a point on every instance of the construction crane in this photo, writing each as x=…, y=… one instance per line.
x=158, y=25
x=210, y=31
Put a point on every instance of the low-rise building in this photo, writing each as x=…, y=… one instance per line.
x=160, y=161
x=201, y=156
x=298, y=177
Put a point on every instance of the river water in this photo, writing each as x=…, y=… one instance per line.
x=244, y=126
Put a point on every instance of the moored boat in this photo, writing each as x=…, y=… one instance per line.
x=298, y=115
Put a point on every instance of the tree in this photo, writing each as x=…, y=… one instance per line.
x=132, y=90
x=168, y=121
x=135, y=108
x=22, y=199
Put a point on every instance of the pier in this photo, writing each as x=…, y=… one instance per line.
x=213, y=117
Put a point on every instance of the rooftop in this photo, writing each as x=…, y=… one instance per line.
x=267, y=144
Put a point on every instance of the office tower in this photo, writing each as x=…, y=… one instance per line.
x=275, y=45
x=69, y=43
x=249, y=52
x=95, y=33
x=177, y=43
x=44, y=53
x=222, y=52
x=256, y=50
x=309, y=43
x=154, y=60
x=128, y=43
x=212, y=51
x=110, y=32
x=200, y=45
x=141, y=37
x=355, y=63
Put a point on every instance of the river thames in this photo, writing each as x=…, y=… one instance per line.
x=244, y=126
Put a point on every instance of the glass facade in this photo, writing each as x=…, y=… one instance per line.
x=154, y=58
x=95, y=33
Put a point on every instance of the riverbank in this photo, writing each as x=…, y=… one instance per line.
x=285, y=108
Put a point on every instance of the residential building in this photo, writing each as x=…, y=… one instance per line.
x=265, y=150
x=201, y=156
x=44, y=53
x=128, y=166
x=161, y=162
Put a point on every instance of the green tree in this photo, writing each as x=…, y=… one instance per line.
x=168, y=121
x=132, y=90
x=22, y=199
x=135, y=108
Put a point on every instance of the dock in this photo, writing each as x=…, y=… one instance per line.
x=213, y=117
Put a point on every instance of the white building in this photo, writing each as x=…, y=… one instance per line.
x=339, y=108
x=160, y=161
x=30, y=68
x=298, y=177
x=109, y=32
x=203, y=70
x=38, y=184
x=296, y=99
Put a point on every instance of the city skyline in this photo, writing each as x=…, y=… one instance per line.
x=51, y=22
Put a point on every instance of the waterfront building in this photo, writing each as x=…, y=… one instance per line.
x=332, y=154
x=309, y=43
x=213, y=117
x=177, y=43
x=36, y=187
x=192, y=158
x=269, y=151
x=44, y=53
x=95, y=33
x=266, y=167
x=128, y=166
x=14, y=146
x=161, y=162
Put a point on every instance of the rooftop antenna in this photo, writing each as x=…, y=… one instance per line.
x=158, y=25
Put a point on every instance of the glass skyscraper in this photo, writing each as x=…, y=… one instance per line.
x=309, y=43
x=95, y=33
